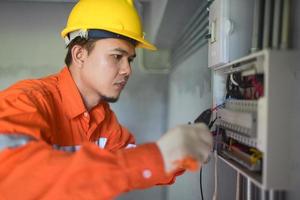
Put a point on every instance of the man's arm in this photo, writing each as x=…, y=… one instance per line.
x=35, y=171
x=31, y=169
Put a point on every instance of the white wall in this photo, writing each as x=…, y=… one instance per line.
x=189, y=89
x=189, y=94
x=294, y=192
x=30, y=40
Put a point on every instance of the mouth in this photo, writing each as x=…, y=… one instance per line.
x=120, y=84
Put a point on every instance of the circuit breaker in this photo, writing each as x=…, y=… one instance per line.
x=254, y=123
x=230, y=28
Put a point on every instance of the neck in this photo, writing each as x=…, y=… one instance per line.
x=89, y=97
x=88, y=100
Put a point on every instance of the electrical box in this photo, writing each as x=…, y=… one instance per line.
x=255, y=121
x=230, y=28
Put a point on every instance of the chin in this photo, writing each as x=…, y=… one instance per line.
x=110, y=99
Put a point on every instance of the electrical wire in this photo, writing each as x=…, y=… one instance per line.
x=201, y=189
x=247, y=87
x=233, y=91
x=205, y=117
x=217, y=107
x=209, y=126
x=233, y=81
x=212, y=123
x=215, y=195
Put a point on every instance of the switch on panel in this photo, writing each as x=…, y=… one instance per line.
x=218, y=43
x=213, y=31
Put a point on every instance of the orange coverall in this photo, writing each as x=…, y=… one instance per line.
x=73, y=154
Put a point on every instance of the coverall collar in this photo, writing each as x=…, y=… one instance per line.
x=71, y=98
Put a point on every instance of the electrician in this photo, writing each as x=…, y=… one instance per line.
x=58, y=137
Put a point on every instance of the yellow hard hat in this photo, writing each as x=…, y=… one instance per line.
x=116, y=16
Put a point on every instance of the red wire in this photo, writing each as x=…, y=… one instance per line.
x=217, y=107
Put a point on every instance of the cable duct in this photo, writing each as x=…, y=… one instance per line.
x=193, y=36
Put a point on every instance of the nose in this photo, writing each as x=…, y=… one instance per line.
x=125, y=69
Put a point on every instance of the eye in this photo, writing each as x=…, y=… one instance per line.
x=130, y=60
x=117, y=57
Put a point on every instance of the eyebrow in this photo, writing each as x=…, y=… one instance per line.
x=124, y=52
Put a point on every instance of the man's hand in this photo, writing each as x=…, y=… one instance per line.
x=192, y=142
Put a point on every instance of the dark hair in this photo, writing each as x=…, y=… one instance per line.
x=88, y=44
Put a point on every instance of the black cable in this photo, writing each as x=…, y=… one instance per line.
x=205, y=117
x=201, y=189
x=212, y=123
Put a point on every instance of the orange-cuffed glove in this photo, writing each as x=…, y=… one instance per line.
x=185, y=147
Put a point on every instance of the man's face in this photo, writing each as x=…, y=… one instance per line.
x=106, y=69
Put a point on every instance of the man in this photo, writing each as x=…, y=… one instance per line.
x=58, y=137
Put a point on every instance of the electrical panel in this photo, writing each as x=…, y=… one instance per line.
x=253, y=126
x=230, y=28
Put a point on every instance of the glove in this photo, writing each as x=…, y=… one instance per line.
x=185, y=146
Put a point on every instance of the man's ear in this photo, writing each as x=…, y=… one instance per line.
x=79, y=55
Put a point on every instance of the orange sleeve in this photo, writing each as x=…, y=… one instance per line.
x=22, y=113
x=35, y=171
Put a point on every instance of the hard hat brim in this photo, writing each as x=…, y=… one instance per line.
x=142, y=43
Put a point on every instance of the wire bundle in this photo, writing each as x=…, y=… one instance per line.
x=244, y=87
